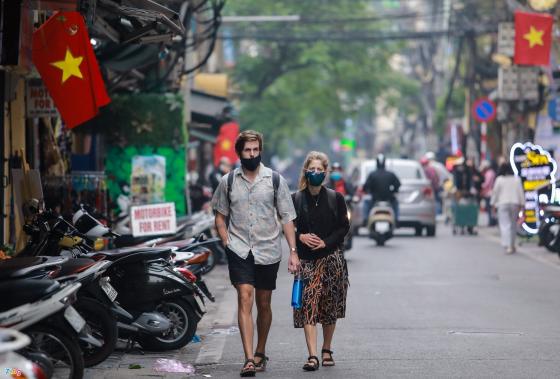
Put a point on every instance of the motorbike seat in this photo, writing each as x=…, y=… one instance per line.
x=22, y=291
x=20, y=267
x=178, y=244
x=75, y=265
x=137, y=253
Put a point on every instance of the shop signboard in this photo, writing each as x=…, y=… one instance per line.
x=153, y=219
x=38, y=101
x=537, y=170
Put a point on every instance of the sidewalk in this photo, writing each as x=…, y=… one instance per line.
x=212, y=329
x=527, y=247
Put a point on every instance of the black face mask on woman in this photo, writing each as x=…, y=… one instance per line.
x=251, y=164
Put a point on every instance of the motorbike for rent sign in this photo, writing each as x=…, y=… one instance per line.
x=537, y=170
x=153, y=219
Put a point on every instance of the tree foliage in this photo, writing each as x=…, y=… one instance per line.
x=295, y=91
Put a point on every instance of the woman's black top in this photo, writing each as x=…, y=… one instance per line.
x=320, y=220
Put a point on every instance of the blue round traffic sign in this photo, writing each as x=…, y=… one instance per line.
x=484, y=110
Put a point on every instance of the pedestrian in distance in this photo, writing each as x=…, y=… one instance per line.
x=337, y=181
x=431, y=174
x=508, y=197
x=216, y=175
x=489, y=176
x=462, y=178
x=321, y=226
x=253, y=207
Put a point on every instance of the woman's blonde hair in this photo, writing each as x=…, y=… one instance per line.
x=312, y=156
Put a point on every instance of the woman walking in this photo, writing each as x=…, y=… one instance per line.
x=508, y=197
x=321, y=225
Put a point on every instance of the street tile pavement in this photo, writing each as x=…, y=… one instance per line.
x=119, y=363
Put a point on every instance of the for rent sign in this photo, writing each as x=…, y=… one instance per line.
x=537, y=171
x=39, y=102
x=153, y=219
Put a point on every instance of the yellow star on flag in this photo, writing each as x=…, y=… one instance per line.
x=70, y=66
x=534, y=37
x=226, y=144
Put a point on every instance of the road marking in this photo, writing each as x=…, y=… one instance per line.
x=212, y=350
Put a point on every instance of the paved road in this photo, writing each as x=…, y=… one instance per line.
x=421, y=308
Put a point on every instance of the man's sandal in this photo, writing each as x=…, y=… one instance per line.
x=312, y=364
x=261, y=365
x=329, y=361
x=248, y=369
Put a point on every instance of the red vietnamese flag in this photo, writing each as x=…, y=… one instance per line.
x=64, y=57
x=225, y=143
x=533, y=38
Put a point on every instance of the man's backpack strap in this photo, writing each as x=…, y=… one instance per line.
x=230, y=177
x=276, y=185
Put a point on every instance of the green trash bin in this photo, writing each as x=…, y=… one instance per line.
x=465, y=214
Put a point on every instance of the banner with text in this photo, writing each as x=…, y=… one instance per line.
x=153, y=219
x=537, y=170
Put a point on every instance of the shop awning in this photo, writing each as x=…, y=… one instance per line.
x=207, y=105
x=203, y=136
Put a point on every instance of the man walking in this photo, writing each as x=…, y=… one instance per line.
x=253, y=206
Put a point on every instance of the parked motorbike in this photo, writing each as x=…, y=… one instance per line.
x=197, y=265
x=43, y=310
x=37, y=366
x=96, y=303
x=381, y=222
x=549, y=229
x=165, y=316
x=101, y=328
x=193, y=231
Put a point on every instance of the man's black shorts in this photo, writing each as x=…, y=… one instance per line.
x=245, y=271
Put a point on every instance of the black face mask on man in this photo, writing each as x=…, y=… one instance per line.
x=251, y=164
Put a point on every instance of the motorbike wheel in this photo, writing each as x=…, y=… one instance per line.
x=547, y=235
x=62, y=349
x=103, y=326
x=183, y=326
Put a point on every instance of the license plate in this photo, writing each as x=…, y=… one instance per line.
x=381, y=227
x=200, y=303
x=109, y=290
x=74, y=319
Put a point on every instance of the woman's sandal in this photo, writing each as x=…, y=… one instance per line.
x=312, y=364
x=329, y=361
x=261, y=365
x=248, y=369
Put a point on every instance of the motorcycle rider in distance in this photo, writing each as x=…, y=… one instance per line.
x=382, y=185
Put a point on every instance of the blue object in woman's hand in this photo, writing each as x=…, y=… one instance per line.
x=297, y=292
